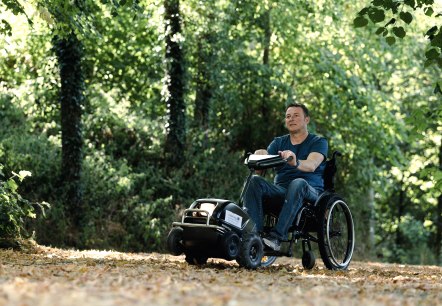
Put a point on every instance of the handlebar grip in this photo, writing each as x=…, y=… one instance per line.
x=289, y=158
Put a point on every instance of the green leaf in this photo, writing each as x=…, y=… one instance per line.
x=399, y=32
x=360, y=22
x=376, y=15
x=428, y=63
x=380, y=30
x=388, y=4
x=428, y=11
x=431, y=31
x=363, y=11
x=390, y=40
x=436, y=40
x=12, y=185
x=378, y=2
x=392, y=21
x=437, y=89
x=411, y=3
x=433, y=53
x=406, y=17
x=5, y=28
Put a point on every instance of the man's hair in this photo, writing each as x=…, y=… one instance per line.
x=304, y=108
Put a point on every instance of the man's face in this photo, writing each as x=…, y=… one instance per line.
x=295, y=120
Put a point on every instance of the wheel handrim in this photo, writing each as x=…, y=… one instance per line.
x=340, y=233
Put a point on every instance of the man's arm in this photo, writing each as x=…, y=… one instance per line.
x=312, y=162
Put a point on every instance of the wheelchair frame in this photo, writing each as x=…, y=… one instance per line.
x=309, y=220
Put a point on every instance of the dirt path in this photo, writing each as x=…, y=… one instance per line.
x=62, y=277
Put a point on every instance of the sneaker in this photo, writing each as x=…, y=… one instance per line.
x=272, y=242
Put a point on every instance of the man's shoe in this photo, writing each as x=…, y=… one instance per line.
x=272, y=242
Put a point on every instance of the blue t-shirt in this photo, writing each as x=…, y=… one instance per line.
x=287, y=173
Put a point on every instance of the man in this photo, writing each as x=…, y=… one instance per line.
x=300, y=179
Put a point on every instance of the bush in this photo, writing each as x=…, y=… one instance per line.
x=14, y=209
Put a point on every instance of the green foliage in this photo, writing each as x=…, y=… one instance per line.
x=14, y=209
x=16, y=8
x=244, y=60
x=414, y=242
x=376, y=13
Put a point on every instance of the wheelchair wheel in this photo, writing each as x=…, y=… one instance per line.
x=308, y=260
x=251, y=252
x=336, y=234
x=174, y=238
x=267, y=261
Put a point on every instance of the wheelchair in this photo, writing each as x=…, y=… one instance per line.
x=221, y=228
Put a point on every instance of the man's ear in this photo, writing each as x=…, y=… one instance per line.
x=307, y=120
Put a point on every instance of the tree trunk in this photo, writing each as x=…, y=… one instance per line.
x=266, y=63
x=69, y=54
x=372, y=221
x=439, y=217
x=204, y=90
x=400, y=212
x=174, y=96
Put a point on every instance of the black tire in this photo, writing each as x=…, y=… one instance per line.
x=308, y=260
x=230, y=245
x=251, y=252
x=196, y=260
x=174, y=241
x=267, y=261
x=336, y=234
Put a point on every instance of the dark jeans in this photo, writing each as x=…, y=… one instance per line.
x=291, y=200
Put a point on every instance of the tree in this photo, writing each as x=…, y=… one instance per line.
x=16, y=8
x=174, y=84
x=69, y=55
x=399, y=18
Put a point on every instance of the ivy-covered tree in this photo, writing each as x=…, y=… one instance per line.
x=69, y=54
x=174, y=84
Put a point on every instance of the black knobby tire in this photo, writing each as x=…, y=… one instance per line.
x=336, y=233
x=308, y=260
x=230, y=245
x=196, y=260
x=250, y=252
x=174, y=241
x=267, y=261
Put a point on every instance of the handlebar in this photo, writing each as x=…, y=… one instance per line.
x=265, y=163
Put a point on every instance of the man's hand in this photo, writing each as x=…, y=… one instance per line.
x=286, y=154
x=260, y=152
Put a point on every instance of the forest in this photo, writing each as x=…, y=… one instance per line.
x=115, y=115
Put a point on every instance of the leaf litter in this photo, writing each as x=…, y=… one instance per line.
x=99, y=278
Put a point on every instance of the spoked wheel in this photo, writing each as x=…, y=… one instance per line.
x=174, y=239
x=336, y=234
x=267, y=261
x=251, y=252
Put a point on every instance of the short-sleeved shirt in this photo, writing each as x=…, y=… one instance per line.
x=287, y=173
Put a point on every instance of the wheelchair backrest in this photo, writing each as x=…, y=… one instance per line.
x=330, y=171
